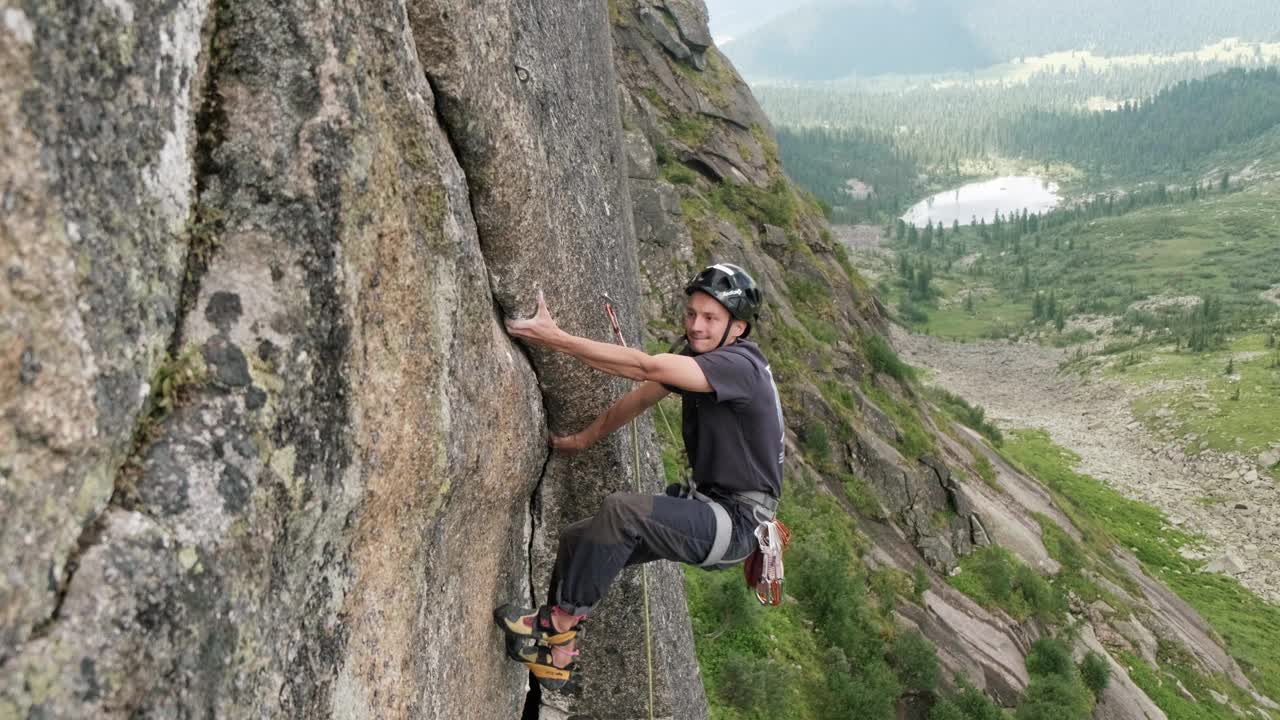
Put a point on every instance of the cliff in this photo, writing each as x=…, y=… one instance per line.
x=267, y=448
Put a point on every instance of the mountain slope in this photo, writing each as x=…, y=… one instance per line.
x=890, y=495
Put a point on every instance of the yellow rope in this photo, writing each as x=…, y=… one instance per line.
x=644, y=569
x=644, y=576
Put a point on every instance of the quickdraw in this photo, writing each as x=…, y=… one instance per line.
x=764, y=568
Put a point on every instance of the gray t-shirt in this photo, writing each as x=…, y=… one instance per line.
x=734, y=434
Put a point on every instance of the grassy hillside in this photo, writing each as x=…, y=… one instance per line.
x=1222, y=246
x=1250, y=626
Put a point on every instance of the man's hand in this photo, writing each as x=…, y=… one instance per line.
x=569, y=444
x=538, y=329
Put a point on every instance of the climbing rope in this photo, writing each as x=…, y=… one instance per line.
x=644, y=569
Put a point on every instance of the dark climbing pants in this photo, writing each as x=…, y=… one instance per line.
x=631, y=529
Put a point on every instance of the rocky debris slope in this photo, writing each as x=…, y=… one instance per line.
x=267, y=448
x=1221, y=496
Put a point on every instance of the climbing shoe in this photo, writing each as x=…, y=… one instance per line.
x=522, y=623
x=538, y=658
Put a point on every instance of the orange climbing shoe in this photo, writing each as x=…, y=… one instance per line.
x=524, y=624
x=539, y=659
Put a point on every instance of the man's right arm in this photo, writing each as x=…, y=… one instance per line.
x=627, y=408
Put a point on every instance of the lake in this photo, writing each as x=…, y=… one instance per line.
x=981, y=200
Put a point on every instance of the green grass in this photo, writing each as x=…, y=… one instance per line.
x=692, y=130
x=986, y=470
x=974, y=416
x=996, y=579
x=1158, y=686
x=1080, y=566
x=914, y=439
x=831, y=650
x=1249, y=626
x=993, y=317
x=1206, y=406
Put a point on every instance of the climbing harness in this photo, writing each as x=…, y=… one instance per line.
x=644, y=569
x=763, y=508
x=763, y=570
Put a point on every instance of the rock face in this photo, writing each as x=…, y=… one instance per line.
x=267, y=448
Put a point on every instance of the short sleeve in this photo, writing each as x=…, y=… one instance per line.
x=732, y=375
x=686, y=352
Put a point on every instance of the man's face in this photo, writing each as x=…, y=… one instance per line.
x=704, y=322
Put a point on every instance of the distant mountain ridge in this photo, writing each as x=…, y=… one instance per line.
x=833, y=39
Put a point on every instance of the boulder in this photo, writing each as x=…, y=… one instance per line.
x=1122, y=699
x=668, y=38
x=1142, y=639
x=978, y=533
x=642, y=162
x=691, y=20
x=774, y=236
x=1227, y=563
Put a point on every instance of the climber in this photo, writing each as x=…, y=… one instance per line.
x=733, y=435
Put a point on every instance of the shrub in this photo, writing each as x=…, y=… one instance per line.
x=884, y=360
x=915, y=661
x=975, y=705
x=946, y=710
x=1050, y=656
x=911, y=313
x=775, y=205
x=863, y=498
x=756, y=685
x=678, y=174
x=986, y=470
x=1055, y=697
x=1095, y=671
x=920, y=582
x=870, y=691
x=815, y=442
x=975, y=416
x=1043, y=600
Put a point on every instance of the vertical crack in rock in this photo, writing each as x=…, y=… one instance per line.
x=531, y=709
x=206, y=222
x=88, y=538
x=534, y=509
x=200, y=244
x=533, y=699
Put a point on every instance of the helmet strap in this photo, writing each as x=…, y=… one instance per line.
x=726, y=334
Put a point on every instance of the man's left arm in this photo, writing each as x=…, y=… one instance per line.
x=674, y=370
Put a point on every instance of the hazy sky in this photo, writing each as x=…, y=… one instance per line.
x=730, y=18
